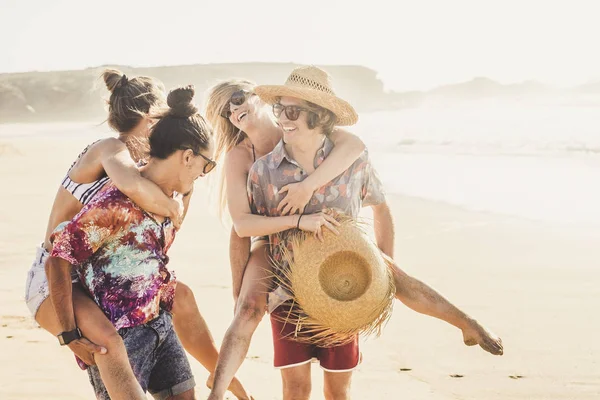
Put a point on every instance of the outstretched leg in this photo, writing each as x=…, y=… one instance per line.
x=425, y=300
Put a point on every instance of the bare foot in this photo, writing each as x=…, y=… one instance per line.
x=235, y=387
x=474, y=334
x=238, y=390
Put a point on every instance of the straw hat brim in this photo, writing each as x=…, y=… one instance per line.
x=327, y=318
x=344, y=112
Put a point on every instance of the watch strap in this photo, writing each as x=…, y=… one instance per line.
x=67, y=337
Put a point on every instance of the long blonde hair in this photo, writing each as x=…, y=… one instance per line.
x=227, y=136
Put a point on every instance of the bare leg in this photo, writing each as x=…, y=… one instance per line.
x=187, y=395
x=114, y=366
x=425, y=300
x=337, y=385
x=296, y=381
x=251, y=308
x=239, y=254
x=192, y=330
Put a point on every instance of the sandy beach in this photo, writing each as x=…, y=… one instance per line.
x=535, y=284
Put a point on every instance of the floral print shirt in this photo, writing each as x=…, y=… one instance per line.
x=359, y=186
x=119, y=252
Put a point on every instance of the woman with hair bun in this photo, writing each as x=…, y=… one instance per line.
x=115, y=159
x=119, y=253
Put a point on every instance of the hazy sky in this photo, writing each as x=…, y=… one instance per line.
x=413, y=44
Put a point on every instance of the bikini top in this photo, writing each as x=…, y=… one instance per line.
x=83, y=192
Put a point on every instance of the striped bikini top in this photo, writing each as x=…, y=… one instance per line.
x=83, y=192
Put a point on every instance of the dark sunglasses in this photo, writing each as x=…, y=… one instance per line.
x=237, y=99
x=210, y=164
x=291, y=112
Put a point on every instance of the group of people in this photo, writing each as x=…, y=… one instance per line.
x=101, y=281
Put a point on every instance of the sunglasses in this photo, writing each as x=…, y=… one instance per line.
x=291, y=112
x=210, y=164
x=237, y=99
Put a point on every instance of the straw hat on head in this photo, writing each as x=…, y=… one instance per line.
x=312, y=84
x=340, y=288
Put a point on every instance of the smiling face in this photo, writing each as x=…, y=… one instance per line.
x=297, y=130
x=246, y=115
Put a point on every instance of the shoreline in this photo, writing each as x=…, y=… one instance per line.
x=14, y=145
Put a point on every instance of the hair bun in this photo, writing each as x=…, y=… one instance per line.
x=180, y=102
x=114, y=79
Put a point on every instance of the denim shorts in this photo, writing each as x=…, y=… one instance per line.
x=157, y=358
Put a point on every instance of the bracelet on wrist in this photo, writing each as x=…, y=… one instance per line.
x=298, y=224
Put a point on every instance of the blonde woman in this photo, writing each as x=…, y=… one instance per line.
x=246, y=131
x=114, y=158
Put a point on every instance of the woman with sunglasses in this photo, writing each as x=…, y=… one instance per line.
x=130, y=101
x=246, y=131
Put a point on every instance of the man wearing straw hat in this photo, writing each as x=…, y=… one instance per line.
x=354, y=293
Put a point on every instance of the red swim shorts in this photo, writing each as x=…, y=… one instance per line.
x=289, y=353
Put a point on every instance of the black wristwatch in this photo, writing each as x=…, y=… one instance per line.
x=65, y=338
